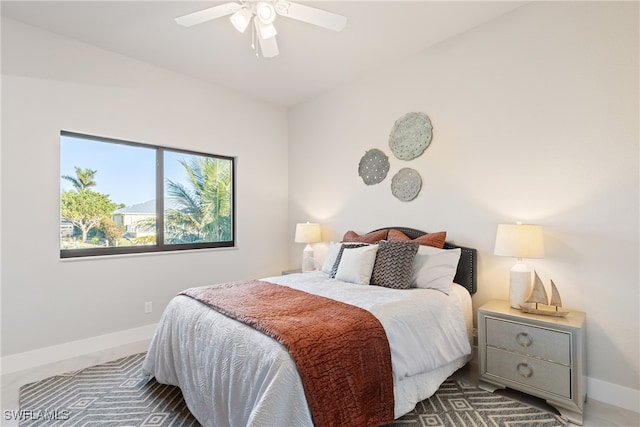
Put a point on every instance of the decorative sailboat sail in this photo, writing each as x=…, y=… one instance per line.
x=538, y=294
x=537, y=301
x=555, y=296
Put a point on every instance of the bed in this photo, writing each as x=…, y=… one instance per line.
x=231, y=374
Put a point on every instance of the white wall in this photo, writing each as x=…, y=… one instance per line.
x=535, y=118
x=50, y=83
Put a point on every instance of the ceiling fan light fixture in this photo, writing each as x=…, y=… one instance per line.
x=241, y=19
x=265, y=12
x=282, y=7
x=267, y=31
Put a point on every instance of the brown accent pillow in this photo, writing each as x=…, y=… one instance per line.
x=431, y=239
x=371, y=238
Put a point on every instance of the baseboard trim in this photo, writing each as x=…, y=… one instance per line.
x=613, y=394
x=76, y=349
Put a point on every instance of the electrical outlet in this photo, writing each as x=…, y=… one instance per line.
x=148, y=307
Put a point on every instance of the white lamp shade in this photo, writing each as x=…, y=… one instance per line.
x=308, y=233
x=519, y=241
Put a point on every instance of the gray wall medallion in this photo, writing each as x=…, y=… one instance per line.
x=373, y=167
x=410, y=136
x=406, y=184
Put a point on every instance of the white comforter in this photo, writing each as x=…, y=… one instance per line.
x=233, y=375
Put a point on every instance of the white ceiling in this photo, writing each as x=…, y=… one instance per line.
x=312, y=60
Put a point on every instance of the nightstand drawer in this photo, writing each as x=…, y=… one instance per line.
x=549, y=377
x=554, y=346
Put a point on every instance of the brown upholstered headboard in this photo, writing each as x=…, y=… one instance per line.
x=467, y=266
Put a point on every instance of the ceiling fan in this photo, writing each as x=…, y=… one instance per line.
x=262, y=14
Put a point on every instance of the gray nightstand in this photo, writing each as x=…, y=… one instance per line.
x=540, y=355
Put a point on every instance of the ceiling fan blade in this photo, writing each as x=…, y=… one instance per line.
x=268, y=46
x=311, y=15
x=208, y=14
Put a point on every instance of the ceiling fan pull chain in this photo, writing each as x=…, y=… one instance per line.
x=253, y=40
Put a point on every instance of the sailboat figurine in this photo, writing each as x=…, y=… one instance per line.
x=537, y=302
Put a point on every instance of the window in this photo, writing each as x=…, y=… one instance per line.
x=119, y=197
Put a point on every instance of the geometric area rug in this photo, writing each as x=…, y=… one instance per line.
x=117, y=394
x=112, y=394
x=457, y=404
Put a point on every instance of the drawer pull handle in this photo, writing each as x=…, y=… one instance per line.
x=524, y=339
x=524, y=370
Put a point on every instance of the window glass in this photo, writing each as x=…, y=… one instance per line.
x=111, y=194
x=197, y=195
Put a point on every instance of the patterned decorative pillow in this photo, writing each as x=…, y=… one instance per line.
x=431, y=239
x=336, y=263
x=371, y=238
x=394, y=264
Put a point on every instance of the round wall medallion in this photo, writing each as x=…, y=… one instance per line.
x=406, y=184
x=410, y=136
x=373, y=167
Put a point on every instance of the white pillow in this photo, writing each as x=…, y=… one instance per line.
x=356, y=264
x=435, y=268
x=332, y=254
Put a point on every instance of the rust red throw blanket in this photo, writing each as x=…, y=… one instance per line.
x=341, y=351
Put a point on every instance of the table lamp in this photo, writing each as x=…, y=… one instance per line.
x=308, y=233
x=519, y=241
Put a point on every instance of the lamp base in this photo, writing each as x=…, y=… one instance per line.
x=308, y=261
x=520, y=284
